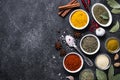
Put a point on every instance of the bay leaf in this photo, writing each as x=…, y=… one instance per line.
x=111, y=73
x=113, y=3
x=115, y=11
x=104, y=15
x=115, y=28
x=117, y=77
x=100, y=75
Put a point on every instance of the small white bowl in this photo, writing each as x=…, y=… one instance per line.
x=78, y=16
x=88, y=53
x=78, y=68
x=109, y=13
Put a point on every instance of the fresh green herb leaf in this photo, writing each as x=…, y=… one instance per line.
x=115, y=11
x=111, y=73
x=115, y=28
x=117, y=77
x=113, y=4
x=100, y=75
x=104, y=15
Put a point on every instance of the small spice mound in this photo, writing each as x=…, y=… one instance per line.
x=77, y=34
x=72, y=62
x=62, y=52
x=58, y=45
x=79, y=19
x=112, y=44
x=89, y=44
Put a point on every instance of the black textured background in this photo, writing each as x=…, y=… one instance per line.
x=28, y=31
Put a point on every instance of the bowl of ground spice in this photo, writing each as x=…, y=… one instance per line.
x=101, y=14
x=90, y=44
x=112, y=45
x=73, y=62
x=79, y=19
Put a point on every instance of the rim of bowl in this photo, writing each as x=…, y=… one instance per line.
x=88, y=53
x=82, y=62
x=83, y=26
x=108, y=64
x=86, y=70
x=115, y=50
x=110, y=15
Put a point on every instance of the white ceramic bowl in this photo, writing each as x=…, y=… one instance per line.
x=107, y=65
x=109, y=13
x=117, y=50
x=97, y=47
x=73, y=25
x=78, y=68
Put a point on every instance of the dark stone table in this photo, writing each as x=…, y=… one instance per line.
x=28, y=32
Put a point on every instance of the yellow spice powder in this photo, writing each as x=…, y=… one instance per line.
x=112, y=45
x=79, y=19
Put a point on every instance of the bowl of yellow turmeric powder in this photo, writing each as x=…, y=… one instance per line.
x=79, y=19
x=112, y=45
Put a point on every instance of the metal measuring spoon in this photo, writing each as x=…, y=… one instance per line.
x=71, y=42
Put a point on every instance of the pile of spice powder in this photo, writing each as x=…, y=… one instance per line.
x=72, y=62
x=89, y=44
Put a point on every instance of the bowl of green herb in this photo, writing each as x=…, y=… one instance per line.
x=90, y=44
x=101, y=14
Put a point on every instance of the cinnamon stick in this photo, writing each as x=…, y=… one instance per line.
x=66, y=12
x=69, y=6
x=71, y=2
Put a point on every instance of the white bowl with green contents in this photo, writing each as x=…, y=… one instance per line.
x=101, y=14
x=90, y=44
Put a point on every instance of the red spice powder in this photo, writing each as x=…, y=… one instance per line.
x=72, y=62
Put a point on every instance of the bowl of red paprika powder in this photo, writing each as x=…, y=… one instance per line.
x=73, y=62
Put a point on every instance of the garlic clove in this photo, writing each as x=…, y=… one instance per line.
x=117, y=64
x=116, y=57
x=70, y=77
x=100, y=31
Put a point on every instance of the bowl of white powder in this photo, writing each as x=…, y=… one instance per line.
x=103, y=61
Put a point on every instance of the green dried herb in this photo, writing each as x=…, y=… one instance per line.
x=115, y=11
x=104, y=15
x=115, y=28
x=101, y=75
x=117, y=77
x=111, y=73
x=113, y=4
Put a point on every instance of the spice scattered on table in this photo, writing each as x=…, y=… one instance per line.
x=115, y=28
x=62, y=52
x=85, y=4
x=77, y=34
x=58, y=45
x=94, y=25
x=89, y=44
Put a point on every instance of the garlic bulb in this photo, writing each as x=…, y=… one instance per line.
x=100, y=31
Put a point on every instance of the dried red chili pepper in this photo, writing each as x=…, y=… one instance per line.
x=94, y=26
x=88, y=2
x=85, y=5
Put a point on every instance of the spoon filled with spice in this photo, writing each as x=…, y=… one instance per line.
x=71, y=43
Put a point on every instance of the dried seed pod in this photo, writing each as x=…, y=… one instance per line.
x=58, y=45
x=70, y=77
x=117, y=64
x=116, y=57
x=62, y=52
